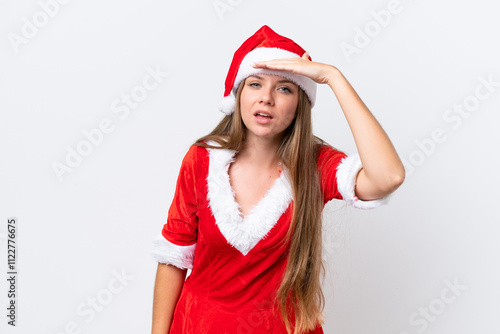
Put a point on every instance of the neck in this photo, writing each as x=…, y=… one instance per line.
x=260, y=151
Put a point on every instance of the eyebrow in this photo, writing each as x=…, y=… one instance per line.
x=281, y=81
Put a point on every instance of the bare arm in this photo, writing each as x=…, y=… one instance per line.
x=168, y=285
x=382, y=172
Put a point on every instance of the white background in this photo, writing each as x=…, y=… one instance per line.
x=386, y=267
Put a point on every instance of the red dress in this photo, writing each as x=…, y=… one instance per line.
x=236, y=263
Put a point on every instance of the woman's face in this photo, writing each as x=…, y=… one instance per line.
x=272, y=95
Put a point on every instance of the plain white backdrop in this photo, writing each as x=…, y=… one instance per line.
x=99, y=102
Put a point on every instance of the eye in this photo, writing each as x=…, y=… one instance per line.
x=254, y=84
x=286, y=89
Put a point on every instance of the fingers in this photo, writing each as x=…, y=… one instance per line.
x=281, y=66
x=278, y=64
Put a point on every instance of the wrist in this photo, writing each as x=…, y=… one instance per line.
x=333, y=75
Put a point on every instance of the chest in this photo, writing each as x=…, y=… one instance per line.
x=250, y=186
x=244, y=209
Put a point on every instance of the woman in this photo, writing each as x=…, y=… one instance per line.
x=246, y=215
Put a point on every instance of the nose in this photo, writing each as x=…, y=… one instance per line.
x=267, y=95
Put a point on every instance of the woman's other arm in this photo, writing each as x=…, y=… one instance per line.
x=168, y=285
x=382, y=172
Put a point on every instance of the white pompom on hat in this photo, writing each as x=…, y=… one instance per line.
x=264, y=45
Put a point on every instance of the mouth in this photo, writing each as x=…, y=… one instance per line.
x=263, y=114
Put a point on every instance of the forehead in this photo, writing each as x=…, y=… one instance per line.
x=273, y=77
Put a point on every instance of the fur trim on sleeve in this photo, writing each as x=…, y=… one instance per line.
x=347, y=172
x=166, y=252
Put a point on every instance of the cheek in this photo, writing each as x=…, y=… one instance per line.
x=244, y=102
x=289, y=118
x=291, y=109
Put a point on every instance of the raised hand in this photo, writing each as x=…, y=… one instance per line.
x=319, y=72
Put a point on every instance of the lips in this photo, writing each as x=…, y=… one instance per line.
x=263, y=113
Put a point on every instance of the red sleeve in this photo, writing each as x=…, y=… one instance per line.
x=177, y=242
x=182, y=222
x=338, y=172
x=328, y=161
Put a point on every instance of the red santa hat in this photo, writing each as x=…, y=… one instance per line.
x=264, y=45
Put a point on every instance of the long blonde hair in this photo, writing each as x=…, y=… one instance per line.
x=304, y=273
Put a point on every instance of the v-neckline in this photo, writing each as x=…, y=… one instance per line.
x=233, y=192
x=243, y=232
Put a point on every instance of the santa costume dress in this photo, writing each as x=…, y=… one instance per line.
x=236, y=266
x=237, y=262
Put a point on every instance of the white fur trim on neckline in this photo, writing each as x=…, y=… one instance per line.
x=243, y=234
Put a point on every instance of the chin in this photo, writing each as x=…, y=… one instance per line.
x=263, y=134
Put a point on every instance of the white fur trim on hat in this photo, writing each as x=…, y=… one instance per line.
x=263, y=54
x=227, y=104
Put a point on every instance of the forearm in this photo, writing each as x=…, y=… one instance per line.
x=381, y=163
x=168, y=285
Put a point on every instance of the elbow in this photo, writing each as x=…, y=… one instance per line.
x=395, y=180
x=390, y=182
x=397, y=184
x=400, y=176
x=380, y=186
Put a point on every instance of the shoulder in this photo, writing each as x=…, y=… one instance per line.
x=327, y=152
x=195, y=150
x=207, y=147
x=193, y=155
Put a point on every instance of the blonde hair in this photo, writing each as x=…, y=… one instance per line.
x=300, y=288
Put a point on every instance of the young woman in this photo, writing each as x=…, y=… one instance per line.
x=246, y=215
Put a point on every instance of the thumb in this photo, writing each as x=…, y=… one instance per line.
x=305, y=55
